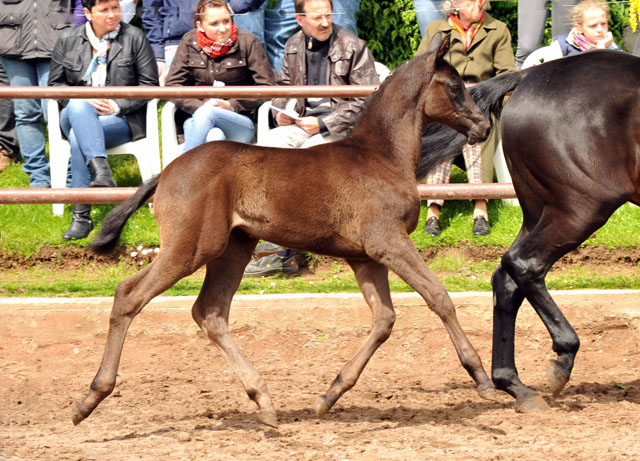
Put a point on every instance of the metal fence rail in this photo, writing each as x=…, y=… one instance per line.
x=119, y=194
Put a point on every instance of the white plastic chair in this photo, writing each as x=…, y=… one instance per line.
x=262, y=126
x=502, y=173
x=145, y=150
x=171, y=149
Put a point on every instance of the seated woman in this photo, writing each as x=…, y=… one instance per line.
x=480, y=49
x=217, y=53
x=101, y=52
x=590, y=31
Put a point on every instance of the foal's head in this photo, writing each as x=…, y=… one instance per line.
x=445, y=98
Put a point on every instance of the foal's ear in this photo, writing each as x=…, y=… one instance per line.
x=440, y=45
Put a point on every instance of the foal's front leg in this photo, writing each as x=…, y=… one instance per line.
x=373, y=280
x=398, y=253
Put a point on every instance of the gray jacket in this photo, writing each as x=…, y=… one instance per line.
x=350, y=63
x=29, y=29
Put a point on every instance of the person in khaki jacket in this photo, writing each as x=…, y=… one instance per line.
x=218, y=53
x=480, y=49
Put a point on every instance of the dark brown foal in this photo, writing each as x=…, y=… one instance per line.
x=354, y=198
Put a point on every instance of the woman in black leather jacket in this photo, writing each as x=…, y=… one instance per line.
x=102, y=52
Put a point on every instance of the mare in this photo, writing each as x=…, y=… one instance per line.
x=355, y=198
x=571, y=138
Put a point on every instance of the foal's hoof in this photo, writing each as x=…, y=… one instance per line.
x=488, y=393
x=322, y=407
x=268, y=418
x=77, y=415
x=558, y=378
x=531, y=403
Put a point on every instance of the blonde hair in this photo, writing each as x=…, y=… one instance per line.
x=577, y=12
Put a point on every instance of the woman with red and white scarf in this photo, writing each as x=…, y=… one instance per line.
x=217, y=53
x=590, y=31
x=480, y=49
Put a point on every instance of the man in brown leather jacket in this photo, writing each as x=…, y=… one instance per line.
x=321, y=54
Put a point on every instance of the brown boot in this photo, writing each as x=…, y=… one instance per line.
x=5, y=158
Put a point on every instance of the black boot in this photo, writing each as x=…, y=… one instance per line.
x=81, y=223
x=101, y=173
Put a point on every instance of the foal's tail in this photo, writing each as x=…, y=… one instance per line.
x=440, y=143
x=113, y=224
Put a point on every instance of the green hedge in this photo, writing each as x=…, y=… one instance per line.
x=390, y=29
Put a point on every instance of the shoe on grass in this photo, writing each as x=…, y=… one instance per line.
x=433, y=226
x=480, y=226
x=267, y=248
x=272, y=264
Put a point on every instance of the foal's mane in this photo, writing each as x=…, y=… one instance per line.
x=406, y=83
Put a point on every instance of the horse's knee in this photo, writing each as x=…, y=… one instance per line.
x=521, y=270
x=215, y=327
x=384, y=325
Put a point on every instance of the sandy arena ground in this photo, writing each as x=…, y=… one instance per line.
x=176, y=398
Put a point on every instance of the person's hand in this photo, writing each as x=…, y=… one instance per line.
x=162, y=71
x=284, y=120
x=222, y=103
x=309, y=124
x=103, y=106
x=605, y=42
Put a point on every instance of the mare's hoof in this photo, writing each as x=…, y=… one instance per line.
x=268, y=418
x=531, y=403
x=77, y=416
x=489, y=393
x=558, y=378
x=322, y=407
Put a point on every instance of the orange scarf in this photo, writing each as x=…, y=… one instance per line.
x=215, y=49
x=466, y=33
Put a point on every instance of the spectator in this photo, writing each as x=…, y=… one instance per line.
x=480, y=49
x=28, y=33
x=273, y=22
x=216, y=52
x=102, y=52
x=319, y=54
x=532, y=17
x=426, y=11
x=590, y=30
x=8, y=148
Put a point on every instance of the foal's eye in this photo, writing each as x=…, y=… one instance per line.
x=455, y=89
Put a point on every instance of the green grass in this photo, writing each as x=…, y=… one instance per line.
x=26, y=229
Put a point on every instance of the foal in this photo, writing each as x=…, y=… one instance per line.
x=355, y=198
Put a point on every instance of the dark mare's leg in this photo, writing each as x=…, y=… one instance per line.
x=373, y=280
x=211, y=313
x=398, y=253
x=526, y=264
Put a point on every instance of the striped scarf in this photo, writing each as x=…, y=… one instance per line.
x=96, y=74
x=579, y=41
x=214, y=49
x=466, y=33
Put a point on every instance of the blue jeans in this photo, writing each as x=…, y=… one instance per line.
x=427, y=11
x=344, y=14
x=210, y=123
x=29, y=116
x=90, y=135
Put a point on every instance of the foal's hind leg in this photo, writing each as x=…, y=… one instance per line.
x=398, y=253
x=374, y=282
x=130, y=298
x=211, y=313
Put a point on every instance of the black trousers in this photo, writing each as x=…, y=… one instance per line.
x=8, y=138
